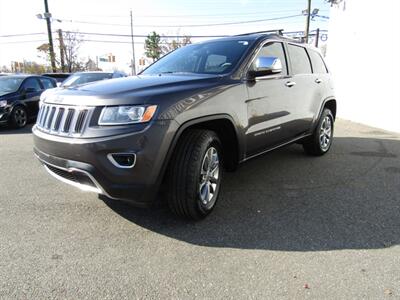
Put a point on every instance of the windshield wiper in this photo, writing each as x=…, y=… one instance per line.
x=175, y=72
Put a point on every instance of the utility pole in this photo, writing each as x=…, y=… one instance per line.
x=308, y=21
x=317, y=38
x=47, y=16
x=133, y=48
x=62, y=49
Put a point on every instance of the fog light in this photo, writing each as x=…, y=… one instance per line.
x=122, y=160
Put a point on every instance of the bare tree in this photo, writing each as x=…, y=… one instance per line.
x=5, y=69
x=44, y=52
x=171, y=45
x=71, y=44
x=91, y=65
x=334, y=2
x=31, y=67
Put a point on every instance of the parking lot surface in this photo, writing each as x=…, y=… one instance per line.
x=286, y=226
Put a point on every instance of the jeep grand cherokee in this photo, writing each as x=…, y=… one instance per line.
x=188, y=117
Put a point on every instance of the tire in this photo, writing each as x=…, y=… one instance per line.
x=321, y=141
x=19, y=117
x=193, y=183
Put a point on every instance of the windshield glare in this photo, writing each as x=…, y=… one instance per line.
x=85, y=78
x=219, y=57
x=9, y=84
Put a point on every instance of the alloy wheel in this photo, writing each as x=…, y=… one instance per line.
x=209, y=176
x=20, y=117
x=325, y=133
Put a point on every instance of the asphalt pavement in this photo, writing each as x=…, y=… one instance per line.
x=287, y=226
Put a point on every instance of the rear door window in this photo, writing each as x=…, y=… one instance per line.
x=299, y=60
x=317, y=62
x=32, y=83
x=47, y=83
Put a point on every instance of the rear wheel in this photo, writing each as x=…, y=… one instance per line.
x=195, y=174
x=19, y=117
x=321, y=140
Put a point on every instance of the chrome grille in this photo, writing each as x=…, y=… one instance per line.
x=63, y=120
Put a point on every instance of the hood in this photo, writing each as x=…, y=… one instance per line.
x=140, y=89
x=6, y=95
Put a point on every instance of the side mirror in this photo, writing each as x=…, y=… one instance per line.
x=265, y=65
x=29, y=90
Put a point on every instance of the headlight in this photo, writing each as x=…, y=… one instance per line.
x=118, y=115
x=43, y=96
x=3, y=103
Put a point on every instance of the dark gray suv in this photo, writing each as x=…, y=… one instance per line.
x=195, y=113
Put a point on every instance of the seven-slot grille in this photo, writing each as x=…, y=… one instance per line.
x=62, y=120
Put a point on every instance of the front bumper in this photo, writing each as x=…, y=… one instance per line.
x=4, y=115
x=83, y=162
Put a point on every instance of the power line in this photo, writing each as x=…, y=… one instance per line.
x=23, y=42
x=145, y=35
x=137, y=35
x=185, y=25
x=199, y=15
x=22, y=34
x=126, y=42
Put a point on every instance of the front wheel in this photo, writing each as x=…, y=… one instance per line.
x=195, y=174
x=321, y=140
x=19, y=117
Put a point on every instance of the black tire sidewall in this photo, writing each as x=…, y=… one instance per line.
x=13, y=120
x=213, y=141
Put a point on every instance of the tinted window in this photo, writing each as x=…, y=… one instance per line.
x=215, y=57
x=9, y=84
x=81, y=78
x=274, y=49
x=32, y=83
x=299, y=60
x=47, y=83
x=118, y=75
x=214, y=62
x=317, y=62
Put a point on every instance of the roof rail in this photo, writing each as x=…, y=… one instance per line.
x=277, y=31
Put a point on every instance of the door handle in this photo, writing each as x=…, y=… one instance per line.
x=290, y=83
x=318, y=80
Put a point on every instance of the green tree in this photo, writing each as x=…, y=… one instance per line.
x=152, y=46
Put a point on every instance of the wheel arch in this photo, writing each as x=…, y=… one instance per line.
x=217, y=123
x=17, y=103
x=330, y=103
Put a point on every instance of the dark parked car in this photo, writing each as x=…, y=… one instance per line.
x=59, y=77
x=194, y=113
x=19, y=97
x=86, y=77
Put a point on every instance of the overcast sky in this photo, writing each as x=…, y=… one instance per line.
x=163, y=16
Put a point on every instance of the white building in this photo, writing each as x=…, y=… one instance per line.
x=364, y=56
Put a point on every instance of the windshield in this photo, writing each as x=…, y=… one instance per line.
x=215, y=57
x=9, y=84
x=85, y=78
